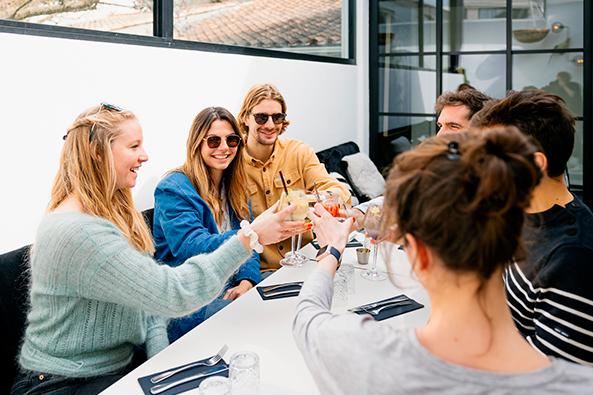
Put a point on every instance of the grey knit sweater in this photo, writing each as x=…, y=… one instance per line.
x=353, y=354
x=94, y=296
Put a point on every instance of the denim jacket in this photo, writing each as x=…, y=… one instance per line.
x=184, y=226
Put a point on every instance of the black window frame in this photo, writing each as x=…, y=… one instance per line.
x=587, y=118
x=163, y=36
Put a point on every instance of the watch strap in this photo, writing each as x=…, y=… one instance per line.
x=334, y=251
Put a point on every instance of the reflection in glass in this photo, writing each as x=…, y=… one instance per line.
x=474, y=25
x=416, y=129
x=407, y=26
x=575, y=163
x=486, y=73
x=309, y=27
x=407, y=84
x=122, y=16
x=397, y=132
x=558, y=73
x=550, y=24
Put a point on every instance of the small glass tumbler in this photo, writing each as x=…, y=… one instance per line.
x=347, y=271
x=340, y=298
x=244, y=373
x=215, y=385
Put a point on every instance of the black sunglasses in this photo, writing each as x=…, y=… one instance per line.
x=232, y=141
x=261, y=118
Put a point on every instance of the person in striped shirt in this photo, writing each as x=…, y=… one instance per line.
x=549, y=290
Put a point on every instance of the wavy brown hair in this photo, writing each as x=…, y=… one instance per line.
x=470, y=97
x=234, y=176
x=464, y=196
x=256, y=95
x=87, y=172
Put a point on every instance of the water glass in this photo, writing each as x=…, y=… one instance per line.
x=340, y=292
x=244, y=373
x=347, y=272
x=215, y=385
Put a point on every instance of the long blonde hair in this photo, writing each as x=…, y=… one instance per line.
x=87, y=171
x=234, y=176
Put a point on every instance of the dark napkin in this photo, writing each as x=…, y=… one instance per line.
x=410, y=305
x=146, y=384
x=288, y=292
x=352, y=243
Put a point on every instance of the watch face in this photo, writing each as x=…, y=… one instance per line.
x=321, y=251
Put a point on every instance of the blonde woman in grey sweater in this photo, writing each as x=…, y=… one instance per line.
x=96, y=292
x=456, y=203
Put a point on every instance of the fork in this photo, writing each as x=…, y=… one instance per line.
x=213, y=360
x=269, y=288
x=388, y=306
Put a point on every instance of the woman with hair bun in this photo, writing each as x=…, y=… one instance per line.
x=95, y=291
x=456, y=203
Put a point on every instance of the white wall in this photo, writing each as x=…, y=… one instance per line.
x=46, y=82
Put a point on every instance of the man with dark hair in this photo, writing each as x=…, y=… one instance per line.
x=455, y=109
x=550, y=291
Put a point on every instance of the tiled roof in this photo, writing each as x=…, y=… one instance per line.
x=270, y=24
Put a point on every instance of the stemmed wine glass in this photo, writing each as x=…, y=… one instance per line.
x=299, y=199
x=372, y=227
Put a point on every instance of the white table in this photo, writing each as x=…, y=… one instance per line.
x=249, y=323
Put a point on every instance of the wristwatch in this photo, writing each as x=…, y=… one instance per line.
x=329, y=250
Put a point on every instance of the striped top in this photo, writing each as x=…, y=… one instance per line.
x=551, y=293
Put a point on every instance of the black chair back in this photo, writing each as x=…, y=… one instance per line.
x=148, y=215
x=14, y=294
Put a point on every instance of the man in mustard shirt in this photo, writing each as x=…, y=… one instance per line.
x=262, y=119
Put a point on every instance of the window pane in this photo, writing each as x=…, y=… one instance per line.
x=474, y=25
x=549, y=24
x=407, y=84
x=559, y=73
x=308, y=27
x=416, y=129
x=404, y=26
x=122, y=16
x=394, y=129
x=486, y=73
x=575, y=164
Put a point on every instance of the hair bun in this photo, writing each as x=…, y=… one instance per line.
x=504, y=166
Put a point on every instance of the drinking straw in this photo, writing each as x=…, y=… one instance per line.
x=316, y=192
x=283, y=183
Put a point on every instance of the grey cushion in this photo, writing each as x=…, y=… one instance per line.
x=364, y=175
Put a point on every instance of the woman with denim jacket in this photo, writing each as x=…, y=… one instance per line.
x=200, y=204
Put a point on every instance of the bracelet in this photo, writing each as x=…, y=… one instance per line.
x=254, y=243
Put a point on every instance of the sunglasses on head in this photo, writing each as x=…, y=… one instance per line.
x=232, y=141
x=261, y=118
x=102, y=106
x=108, y=107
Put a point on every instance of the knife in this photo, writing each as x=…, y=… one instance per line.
x=157, y=389
x=379, y=304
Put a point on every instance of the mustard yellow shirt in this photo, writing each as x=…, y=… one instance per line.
x=300, y=168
